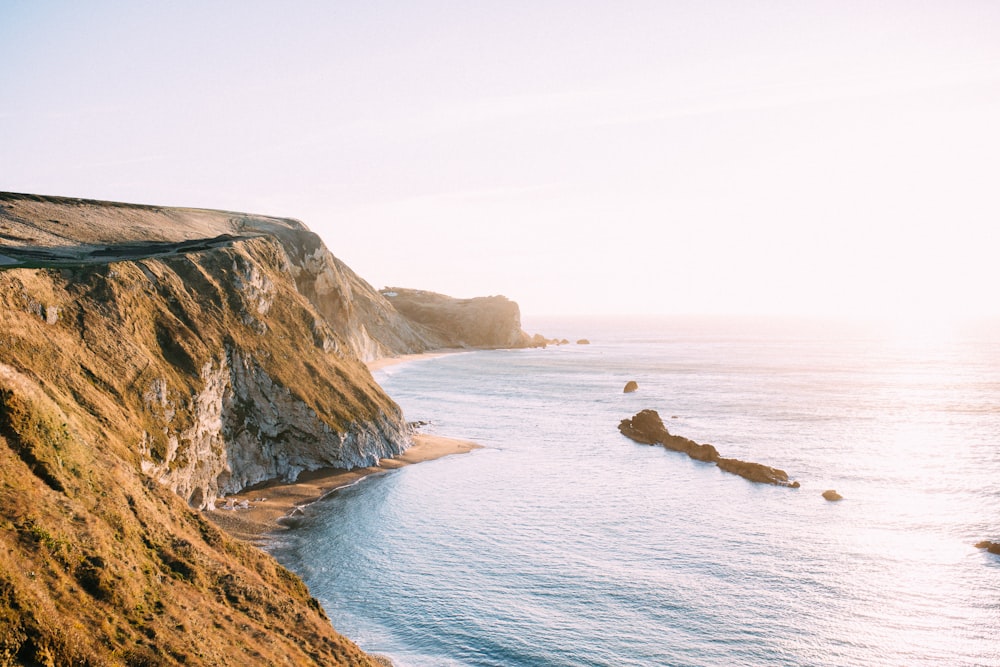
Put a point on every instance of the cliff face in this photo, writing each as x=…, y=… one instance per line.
x=222, y=374
x=362, y=317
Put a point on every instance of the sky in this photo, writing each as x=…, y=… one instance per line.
x=672, y=157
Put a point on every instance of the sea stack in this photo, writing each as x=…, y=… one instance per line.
x=647, y=428
x=631, y=386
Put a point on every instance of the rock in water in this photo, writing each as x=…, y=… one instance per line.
x=992, y=547
x=647, y=428
x=831, y=495
x=583, y=341
x=756, y=472
x=631, y=386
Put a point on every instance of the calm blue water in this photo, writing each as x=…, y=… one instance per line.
x=563, y=543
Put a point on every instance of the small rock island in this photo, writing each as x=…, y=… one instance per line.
x=992, y=547
x=647, y=428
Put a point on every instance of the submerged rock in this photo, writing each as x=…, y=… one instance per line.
x=832, y=495
x=992, y=547
x=647, y=428
x=631, y=386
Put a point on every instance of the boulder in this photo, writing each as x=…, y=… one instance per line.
x=583, y=341
x=644, y=427
x=992, y=547
x=631, y=386
x=832, y=495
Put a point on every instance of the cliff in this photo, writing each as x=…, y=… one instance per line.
x=482, y=322
x=222, y=371
x=151, y=360
x=57, y=231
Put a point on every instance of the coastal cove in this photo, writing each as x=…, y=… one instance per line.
x=563, y=542
x=258, y=513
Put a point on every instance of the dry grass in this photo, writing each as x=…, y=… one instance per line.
x=100, y=565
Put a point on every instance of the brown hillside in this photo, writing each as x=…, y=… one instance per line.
x=130, y=390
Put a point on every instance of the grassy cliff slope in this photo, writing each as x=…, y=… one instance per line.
x=137, y=382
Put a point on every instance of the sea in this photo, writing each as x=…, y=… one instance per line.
x=563, y=543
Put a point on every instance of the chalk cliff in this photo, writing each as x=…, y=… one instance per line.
x=151, y=360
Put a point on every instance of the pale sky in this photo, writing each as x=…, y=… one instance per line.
x=796, y=157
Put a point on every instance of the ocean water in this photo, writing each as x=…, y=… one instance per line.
x=563, y=543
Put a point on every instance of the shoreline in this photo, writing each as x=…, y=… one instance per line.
x=267, y=504
x=385, y=362
x=259, y=512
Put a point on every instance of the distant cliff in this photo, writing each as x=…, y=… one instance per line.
x=151, y=360
x=484, y=322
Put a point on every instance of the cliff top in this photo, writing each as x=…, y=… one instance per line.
x=53, y=222
x=37, y=230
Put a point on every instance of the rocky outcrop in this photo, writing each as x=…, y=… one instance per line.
x=992, y=547
x=482, y=322
x=832, y=495
x=631, y=386
x=646, y=427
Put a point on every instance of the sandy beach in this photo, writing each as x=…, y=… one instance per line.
x=384, y=362
x=267, y=503
x=258, y=511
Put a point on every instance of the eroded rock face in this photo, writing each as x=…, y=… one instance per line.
x=365, y=320
x=246, y=429
x=219, y=370
x=647, y=427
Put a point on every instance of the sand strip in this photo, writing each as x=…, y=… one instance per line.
x=379, y=364
x=269, y=502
